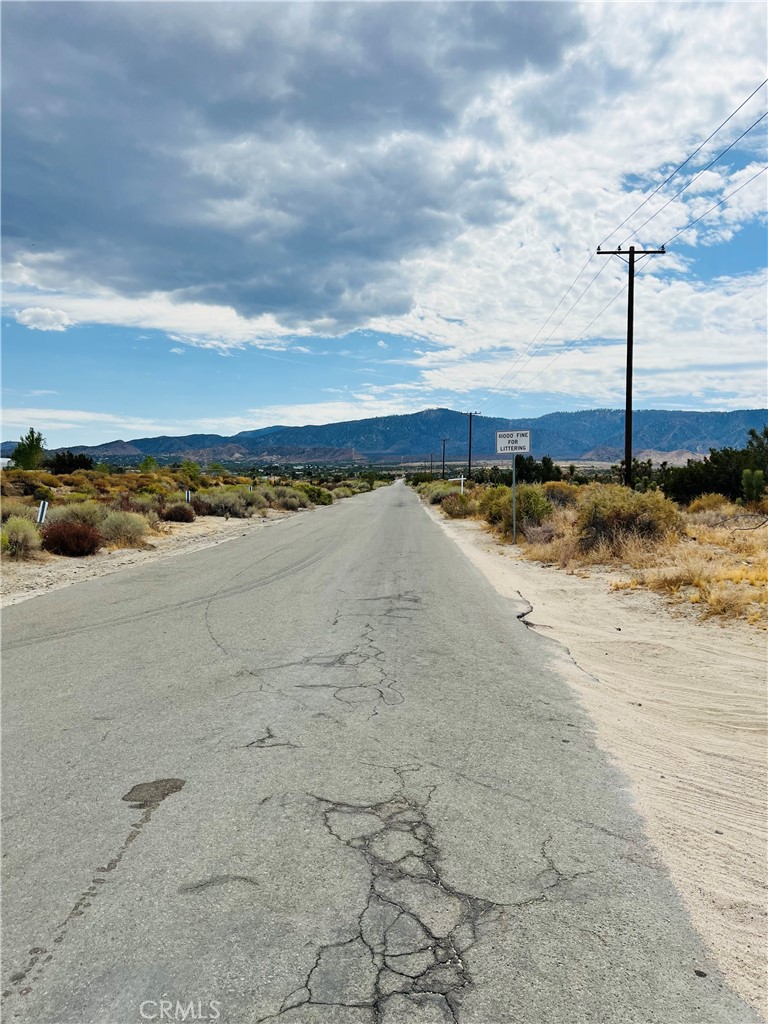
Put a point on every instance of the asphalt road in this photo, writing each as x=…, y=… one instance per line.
x=359, y=793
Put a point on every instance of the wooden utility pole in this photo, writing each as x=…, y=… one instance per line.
x=469, y=449
x=443, y=440
x=632, y=253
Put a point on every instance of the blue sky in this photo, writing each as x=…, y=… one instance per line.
x=224, y=216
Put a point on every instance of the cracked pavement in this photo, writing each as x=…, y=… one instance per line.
x=322, y=774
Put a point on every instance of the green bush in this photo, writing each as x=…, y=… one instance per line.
x=492, y=503
x=532, y=509
x=124, y=528
x=610, y=512
x=343, y=492
x=752, y=484
x=71, y=539
x=317, y=495
x=20, y=538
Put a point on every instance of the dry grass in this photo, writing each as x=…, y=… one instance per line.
x=713, y=566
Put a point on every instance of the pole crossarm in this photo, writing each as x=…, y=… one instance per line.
x=633, y=254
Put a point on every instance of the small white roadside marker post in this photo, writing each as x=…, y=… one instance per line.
x=41, y=512
x=188, y=495
x=454, y=479
x=513, y=442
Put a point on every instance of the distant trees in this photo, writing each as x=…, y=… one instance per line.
x=722, y=472
x=28, y=453
x=148, y=464
x=66, y=462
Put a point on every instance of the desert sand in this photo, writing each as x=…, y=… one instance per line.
x=679, y=704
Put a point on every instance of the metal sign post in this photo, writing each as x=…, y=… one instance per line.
x=41, y=512
x=513, y=442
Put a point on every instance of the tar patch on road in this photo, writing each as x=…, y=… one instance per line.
x=145, y=796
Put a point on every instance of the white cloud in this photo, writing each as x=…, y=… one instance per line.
x=40, y=319
x=178, y=351
x=445, y=181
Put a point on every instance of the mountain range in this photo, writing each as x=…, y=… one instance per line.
x=596, y=434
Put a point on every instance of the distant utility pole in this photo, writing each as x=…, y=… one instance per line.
x=443, y=440
x=469, y=449
x=431, y=456
x=632, y=253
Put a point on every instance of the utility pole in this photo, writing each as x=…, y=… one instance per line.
x=633, y=254
x=469, y=449
x=431, y=456
x=443, y=440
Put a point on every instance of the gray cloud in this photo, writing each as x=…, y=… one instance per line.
x=280, y=158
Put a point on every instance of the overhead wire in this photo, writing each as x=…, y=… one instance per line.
x=686, y=161
x=695, y=178
x=495, y=389
x=639, y=272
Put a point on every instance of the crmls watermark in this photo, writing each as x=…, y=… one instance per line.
x=177, y=1009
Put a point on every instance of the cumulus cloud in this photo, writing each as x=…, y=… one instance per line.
x=40, y=319
x=437, y=170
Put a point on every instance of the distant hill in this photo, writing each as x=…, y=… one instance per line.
x=563, y=435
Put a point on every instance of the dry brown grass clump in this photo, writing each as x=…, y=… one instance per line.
x=713, y=557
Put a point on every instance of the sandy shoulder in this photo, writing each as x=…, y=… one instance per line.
x=20, y=581
x=681, y=707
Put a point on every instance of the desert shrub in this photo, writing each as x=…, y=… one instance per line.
x=71, y=539
x=708, y=502
x=317, y=495
x=124, y=528
x=7, y=487
x=267, y=493
x=492, y=502
x=28, y=481
x=558, y=492
x=180, y=512
x=610, y=513
x=16, y=508
x=381, y=483
x=342, y=492
x=20, y=538
x=458, y=506
x=542, y=534
x=254, y=499
x=43, y=494
x=201, y=506
x=532, y=509
x=228, y=503
x=290, y=499
x=89, y=512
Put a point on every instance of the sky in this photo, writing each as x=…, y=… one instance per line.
x=218, y=216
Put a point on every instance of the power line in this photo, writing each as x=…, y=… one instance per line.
x=695, y=178
x=610, y=302
x=687, y=160
x=720, y=203
x=496, y=388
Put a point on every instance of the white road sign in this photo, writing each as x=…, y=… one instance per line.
x=513, y=442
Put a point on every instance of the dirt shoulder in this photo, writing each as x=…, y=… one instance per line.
x=680, y=705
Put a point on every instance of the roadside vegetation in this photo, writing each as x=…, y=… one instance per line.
x=697, y=534
x=94, y=507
